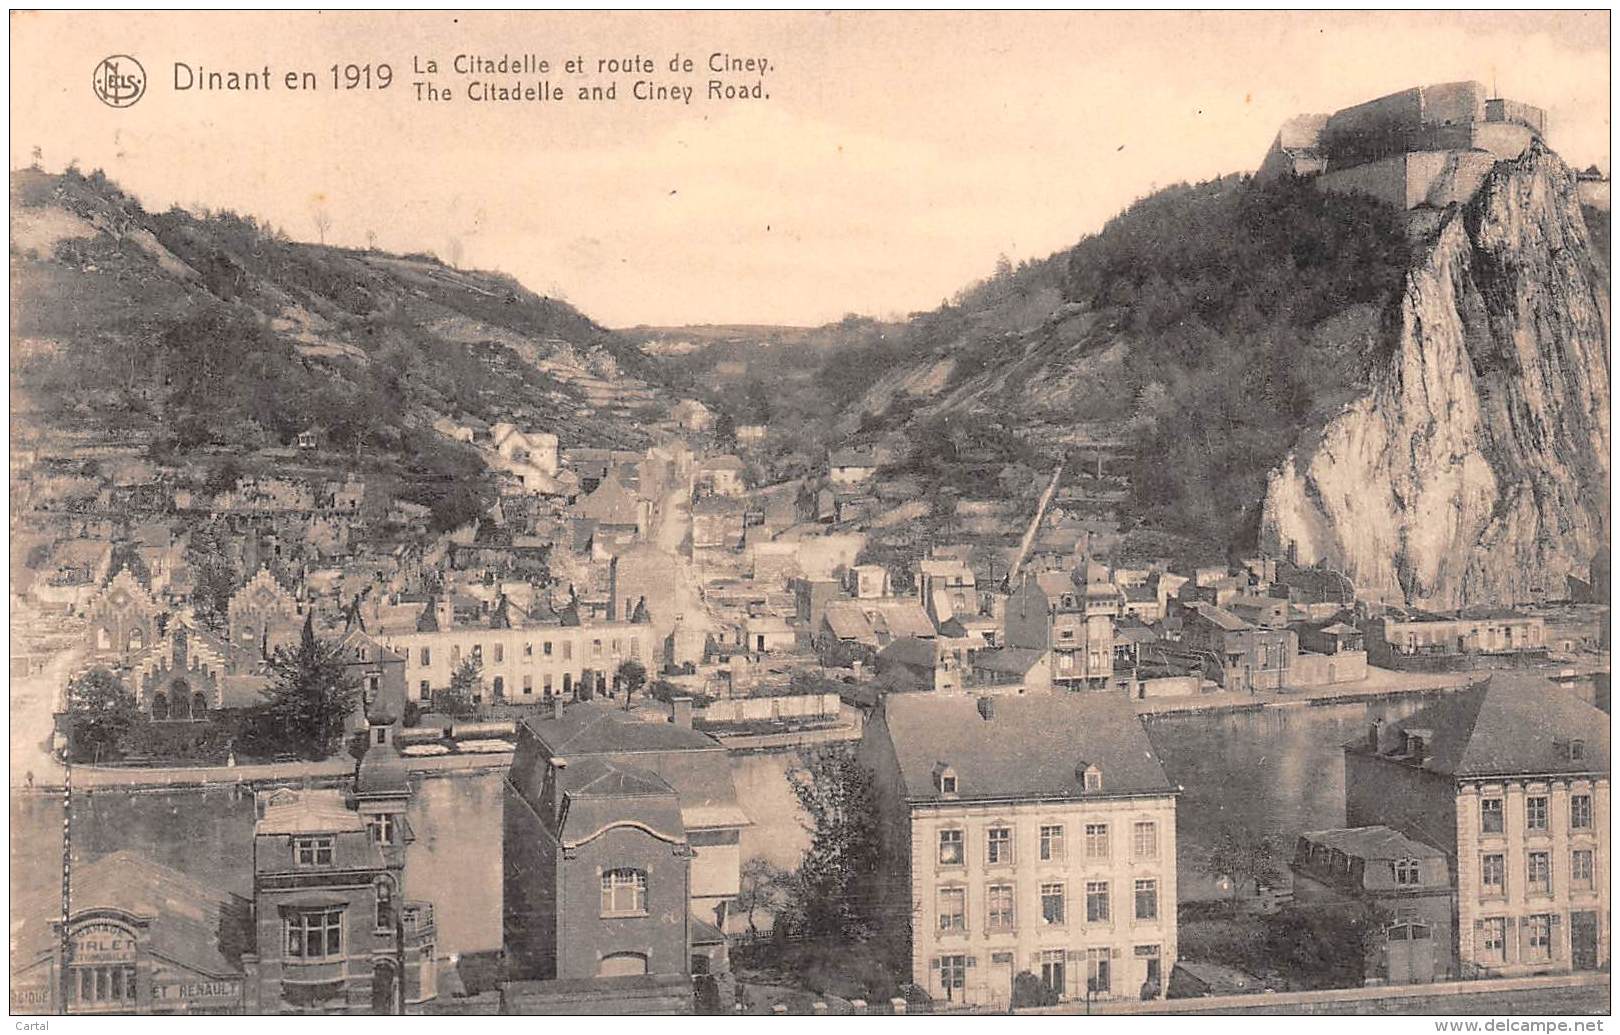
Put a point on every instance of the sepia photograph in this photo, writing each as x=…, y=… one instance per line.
x=978, y=514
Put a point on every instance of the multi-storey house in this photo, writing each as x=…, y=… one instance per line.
x=1025, y=834
x=1070, y=614
x=1510, y=779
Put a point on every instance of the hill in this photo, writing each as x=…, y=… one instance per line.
x=200, y=335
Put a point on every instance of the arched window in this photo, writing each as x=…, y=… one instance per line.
x=500, y=686
x=199, y=706
x=180, y=700
x=160, y=706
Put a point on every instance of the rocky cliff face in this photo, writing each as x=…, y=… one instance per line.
x=1476, y=467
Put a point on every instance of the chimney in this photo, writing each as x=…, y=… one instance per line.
x=1372, y=735
x=987, y=708
x=680, y=712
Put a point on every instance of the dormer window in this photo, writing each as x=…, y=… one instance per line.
x=1090, y=777
x=1577, y=750
x=945, y=780
x=1406, y=872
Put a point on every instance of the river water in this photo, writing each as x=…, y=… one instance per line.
x=1275, y=771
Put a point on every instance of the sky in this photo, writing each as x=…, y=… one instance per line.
x=896, y=156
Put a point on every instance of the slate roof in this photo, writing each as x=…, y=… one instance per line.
x=1511, y=723
x=1031, y=747
x=1012, y=660
x=194, y=924
x=605, y=792
x=308, y=812
x=908, y=651
x=1376, y=843
x=1219, y=617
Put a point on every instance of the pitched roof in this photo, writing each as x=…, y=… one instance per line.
x=1219, y=617
x=1029, y=748
x=1511, y=723
x=1012, y=660
x=607, y=792
x=194, y=923
x=908, y=650
x=1378, y=842
x=308, y=812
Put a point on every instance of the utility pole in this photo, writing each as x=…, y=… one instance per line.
x=66, y=942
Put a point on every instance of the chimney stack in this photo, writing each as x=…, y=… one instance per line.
x=1372, y=735
x=680, y=712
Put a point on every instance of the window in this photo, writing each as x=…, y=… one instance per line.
x=1051, y=843
x=1580, y=812
x=545, y=648
x=953, y=909
x=1097, y=902
x=105, y=984
x=1147, y=840
x=1493, y=874
x=500, y=653
x=1096, y=840
x=500, y=686
x=315, y=934
x=950, y=848
x=1052, y=903
x=382, y=829
x=1490, y=816
x=1000, y=846
x=528, y=685
x=528, y=650
x=596, y=648
x=1538, y=936
x=424, y=692
x=1098, y=975
x=952, y=972
x=1001, y=907
x=1052, y=975
x=1580, y=868
x=1147, y=900
x=1093, y=781
x=1577, y=751
x=455, y=654
x=312, y=851
x=624, y=893
x=427, y=655
x=1493, y=940
x=1538, y=872
x=385, y=905
x=568, y=650
x=545, y=684
x=1406, y=871
x=1535, y=813
x=478, y=653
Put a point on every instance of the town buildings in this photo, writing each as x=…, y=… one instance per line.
x=621, y=847
x=1419, y=641
x=1510, y=779
x=1030, y=833
x=1407, y=882
x=1071, y=615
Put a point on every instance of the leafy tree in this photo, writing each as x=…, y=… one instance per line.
x=632, y=677
x=311, y=696
x=214, y=577
x=1245, y=858
x=101, y=711
x=764, y=887
x=839, y=871
x=1325, y=946
x=1029, y=990
x=465, y=690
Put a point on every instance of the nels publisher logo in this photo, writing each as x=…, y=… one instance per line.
x=119, y=81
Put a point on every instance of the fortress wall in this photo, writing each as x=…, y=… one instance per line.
x=1404, y=109
x=1504, y=140
x=1441, y=178
x=1500, y=109
x=1384, y=179
x=1452, y=103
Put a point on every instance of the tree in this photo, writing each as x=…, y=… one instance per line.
x=1029, y=990
x=465, y=691
x=838, y=873
x=632, y=676
x=1244, y=858
x=213, y=576
x=311, y=696
x=323, y=222
x=100, y=711
x=764, y=887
